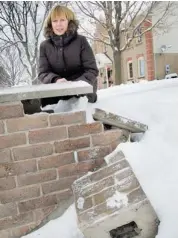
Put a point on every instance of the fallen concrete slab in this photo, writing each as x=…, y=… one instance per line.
x=44, y=91
x=109, y=118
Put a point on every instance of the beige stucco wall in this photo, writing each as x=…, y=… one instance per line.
x=133, y=51
x=160, y=62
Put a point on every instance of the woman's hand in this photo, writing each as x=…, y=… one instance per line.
x=61, y=80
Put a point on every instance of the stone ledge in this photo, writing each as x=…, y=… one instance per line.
x=109, y=118
x=44, y=91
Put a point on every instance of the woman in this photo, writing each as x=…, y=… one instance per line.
x=65, y=55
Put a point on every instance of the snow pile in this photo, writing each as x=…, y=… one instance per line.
x=63, y=227
x=153, y=159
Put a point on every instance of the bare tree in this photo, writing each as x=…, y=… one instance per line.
x=10, y=62
x=4, y=78
x=122, y=20
x=21, y=25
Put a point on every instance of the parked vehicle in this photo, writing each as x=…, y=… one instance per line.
x=171, y=76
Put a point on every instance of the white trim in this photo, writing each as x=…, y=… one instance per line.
x=140, y=59
x=128, y=69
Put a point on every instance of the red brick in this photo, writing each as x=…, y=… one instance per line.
x=26, y=123
x=7, y=210
x=123, y=174
x=107, y=137
x=37, y=203
x=140, y=55
x=150, y=67
x=129, y=58
x=11, y=110
x=149, y=44
x=72, y=144
x=86, y=216
x=42, y=213
x=55, y=161
x=149, y=51
x=67, y=118
x=104, y=209
x=47, y=135
x=16, y=221
x=85, y=129
x=35, y=178
x=32, y=151
x=2, y=127
x=17, y=168
x=114, y=145
x=105, y=194
x=96, y=187
x=61, y=184
x=100, y=163
x=64, y=195
x=84, y=167
x=109, y=170
x=136, y=195
x=19, y=194
x=22, y=230
x=5, y=156
x=12, y=140
x=68, y=170
x=7, y=183
x=94, y=153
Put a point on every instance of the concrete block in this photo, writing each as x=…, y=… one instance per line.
x=119, y=121
x=44, y=91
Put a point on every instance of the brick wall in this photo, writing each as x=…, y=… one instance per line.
x=40, y=157
x=101, y=185
x=112, y=197
x=149, y=51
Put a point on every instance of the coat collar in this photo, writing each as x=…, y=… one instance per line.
x=63, y=40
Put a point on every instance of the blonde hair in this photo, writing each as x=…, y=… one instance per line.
x=58, y=11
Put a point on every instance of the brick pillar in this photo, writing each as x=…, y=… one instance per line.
x=149, y=51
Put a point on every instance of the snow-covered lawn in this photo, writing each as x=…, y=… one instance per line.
x=154, y=159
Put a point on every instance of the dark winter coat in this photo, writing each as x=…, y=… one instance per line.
x=68, y=56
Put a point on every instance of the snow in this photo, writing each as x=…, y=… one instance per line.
x=63, y=227
x=153, y=159
x=117, y=200
x=102, y=60
x=80, y=203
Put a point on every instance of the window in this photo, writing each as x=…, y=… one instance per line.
x=130, y=69
x=138, y=35
x=141, y=67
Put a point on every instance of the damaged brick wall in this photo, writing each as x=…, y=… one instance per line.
x=110, y=202
x=40, y=157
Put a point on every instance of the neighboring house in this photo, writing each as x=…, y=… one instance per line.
x=137, y=60
x=144, y=59
x=165, y=45
x=103, y=55
x=104, y=65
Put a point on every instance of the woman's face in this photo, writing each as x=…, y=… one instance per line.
x=60, y=25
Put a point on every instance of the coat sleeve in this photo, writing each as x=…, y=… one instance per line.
x=88, y=64
x=45, y=74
